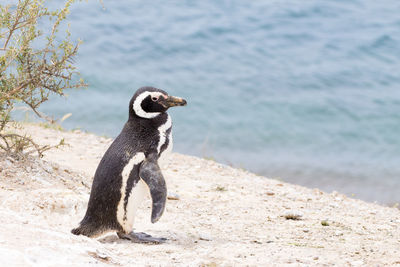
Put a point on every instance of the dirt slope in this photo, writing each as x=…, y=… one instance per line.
x=224, y=216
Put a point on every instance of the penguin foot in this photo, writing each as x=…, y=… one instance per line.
x=142, y=238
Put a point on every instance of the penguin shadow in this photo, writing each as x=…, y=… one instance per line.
x=114, y=239
x=111, y=239
x=172, y=238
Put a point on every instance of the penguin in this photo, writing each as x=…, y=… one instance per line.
x=129, y=169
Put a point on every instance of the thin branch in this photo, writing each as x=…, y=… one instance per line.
x=4, y=117
x=17, y=18
x=39, y=114
x=57, y=75
x=5, y=141
x=29, y=140
x=15, y=90
x=3, y=148
x=21, y=25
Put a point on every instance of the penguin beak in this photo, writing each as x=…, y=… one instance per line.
x=172, y=101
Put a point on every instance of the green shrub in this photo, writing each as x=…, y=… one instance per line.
x=35, y=62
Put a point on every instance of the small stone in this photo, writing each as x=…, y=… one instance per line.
x=315, y=258
x=269, y=193
x=338, y=233
x=324, y=223
x=306, y=230
x=220, y=188
x=317, y=191
x=205, y=237
x=293, y=215
x=173, y=196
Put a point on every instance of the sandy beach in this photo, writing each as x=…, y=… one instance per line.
x=223, y=216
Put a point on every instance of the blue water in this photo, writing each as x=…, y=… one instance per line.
x=307, y=91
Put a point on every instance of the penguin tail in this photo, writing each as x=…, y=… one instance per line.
x=86, y=230
x=76, y=231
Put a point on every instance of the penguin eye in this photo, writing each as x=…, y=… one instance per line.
x=154, y=98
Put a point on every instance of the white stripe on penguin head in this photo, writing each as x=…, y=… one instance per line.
x=137, y=105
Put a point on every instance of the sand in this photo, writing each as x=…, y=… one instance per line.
x=223, y=217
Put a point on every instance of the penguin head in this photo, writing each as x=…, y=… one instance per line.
x=149, y=102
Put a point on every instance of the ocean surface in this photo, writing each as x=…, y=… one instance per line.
x=304, y=91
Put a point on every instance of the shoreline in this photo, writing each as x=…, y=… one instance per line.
x=329, y=186
x=224, y=216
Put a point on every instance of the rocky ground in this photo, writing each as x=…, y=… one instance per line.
x=223, y=217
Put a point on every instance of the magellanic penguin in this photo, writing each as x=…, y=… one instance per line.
x=130, y=167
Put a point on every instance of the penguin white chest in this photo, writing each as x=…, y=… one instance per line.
x=165, y=136
x=126, y=215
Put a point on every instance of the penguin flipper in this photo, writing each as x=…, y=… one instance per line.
x=151, y=174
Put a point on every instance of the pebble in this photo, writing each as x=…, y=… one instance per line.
x=292, y=215
x=173, y=196
x=205, y=237
x=338, y=233
x=324, y=223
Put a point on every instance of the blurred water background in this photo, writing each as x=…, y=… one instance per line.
x=304, y=91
